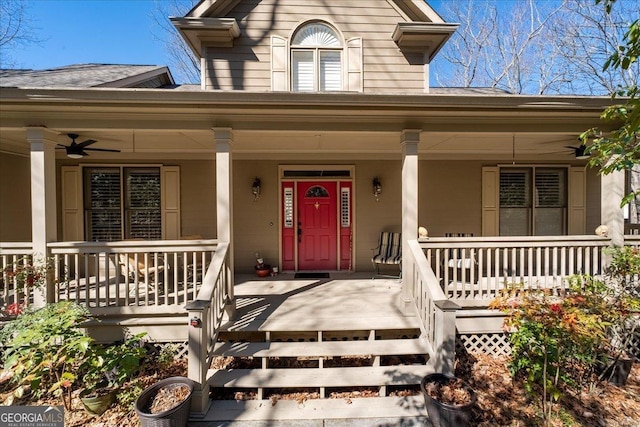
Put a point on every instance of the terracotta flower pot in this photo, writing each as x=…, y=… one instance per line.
x=263, y=270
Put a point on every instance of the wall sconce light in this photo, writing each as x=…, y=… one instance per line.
x=377, y=188
x=255, y=189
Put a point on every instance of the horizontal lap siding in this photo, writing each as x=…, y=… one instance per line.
x=247, y=65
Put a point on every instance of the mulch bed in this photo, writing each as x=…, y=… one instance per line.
x=501, y=402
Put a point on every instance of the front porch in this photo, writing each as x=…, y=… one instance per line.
x=400, y=329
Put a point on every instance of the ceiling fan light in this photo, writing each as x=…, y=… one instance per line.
x=74, y=155
x=582, y=156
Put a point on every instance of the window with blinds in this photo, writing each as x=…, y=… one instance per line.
x=122, y=203
x=143, y=210
x=533, y=201
x=316, y=59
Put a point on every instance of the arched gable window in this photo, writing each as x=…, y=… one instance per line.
x=316, y=59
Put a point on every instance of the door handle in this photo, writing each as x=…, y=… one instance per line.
x=299, y=232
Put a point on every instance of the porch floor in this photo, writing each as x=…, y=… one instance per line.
x=342, y=302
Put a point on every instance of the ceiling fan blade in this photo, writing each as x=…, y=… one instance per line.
x=102, y=149
x=86, y=143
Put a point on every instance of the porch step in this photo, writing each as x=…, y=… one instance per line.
x=322, y=349
x=407, y=411
x=319, y=377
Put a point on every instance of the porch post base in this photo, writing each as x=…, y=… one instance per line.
x=230, y=310
x=407, y=307
x=200, y=403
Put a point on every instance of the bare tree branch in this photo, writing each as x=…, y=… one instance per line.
x=182, y=61
x=16, y=29
x=535, y=46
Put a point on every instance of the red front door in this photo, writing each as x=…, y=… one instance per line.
x=317, y=226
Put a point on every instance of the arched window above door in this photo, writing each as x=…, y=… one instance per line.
x=316, y=59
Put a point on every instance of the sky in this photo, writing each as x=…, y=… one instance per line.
x=91, y=31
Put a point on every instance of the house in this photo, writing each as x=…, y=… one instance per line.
x=313, y=130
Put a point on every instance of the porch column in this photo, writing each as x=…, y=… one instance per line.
x=612, y=215
x=409, y=142
x=224, y=204
x=43, y=202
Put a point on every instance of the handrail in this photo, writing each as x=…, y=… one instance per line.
x=16, y=248
x=205, y=317
x=437, y=314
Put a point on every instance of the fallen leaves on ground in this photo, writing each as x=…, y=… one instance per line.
x=501, y=401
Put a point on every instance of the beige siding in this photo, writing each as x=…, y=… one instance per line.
x=198, y=198
x=247, y=66
x=373, y=217
x=255, y=222
x=15, y=198
x=451, y=197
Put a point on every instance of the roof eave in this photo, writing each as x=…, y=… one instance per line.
x=165, y=96
x=138, y=78
x=424, y=37
x=205, y=32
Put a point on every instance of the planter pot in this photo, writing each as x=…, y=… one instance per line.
x=443, y=414
x=617, y=371
x=263, y=270
x=176, y=416
x=97, y=405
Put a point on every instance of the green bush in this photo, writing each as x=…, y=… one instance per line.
x=46, y=352
x=44, y=349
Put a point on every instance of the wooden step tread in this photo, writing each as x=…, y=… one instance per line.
x=317, y=323
x=324, y=348
x=319, y=377
x=259, y=411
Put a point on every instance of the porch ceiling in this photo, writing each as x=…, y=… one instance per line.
x=164, y=124
x=251, y=144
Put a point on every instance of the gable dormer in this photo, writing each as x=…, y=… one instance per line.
x=383, y=46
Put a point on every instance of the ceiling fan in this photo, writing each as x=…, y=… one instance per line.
x=580, y=152
x=77, y=150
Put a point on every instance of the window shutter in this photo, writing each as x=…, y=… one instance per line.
x=278, y=63
x=354, y=65
x=577, y=201
x=170, y=202
x=303, y=75
x=490, y=201
x=72, y=207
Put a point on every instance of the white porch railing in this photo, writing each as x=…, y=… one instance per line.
x=632, y=240
x=476, y=268
x=104, y=275
x=436, y=312
x=13, y=254
x=205, y=314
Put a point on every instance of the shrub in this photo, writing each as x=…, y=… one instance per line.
x=44, y=348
